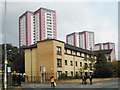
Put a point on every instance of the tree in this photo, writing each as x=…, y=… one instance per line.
x=18, y=63
x=115, y=68
x=118, y=69
x=15, y=57
x=102, y=67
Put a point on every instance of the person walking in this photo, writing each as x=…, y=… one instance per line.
x=83, y=79
x=14, y=78
x=19, y=79
x=90, y=78
x=52, y=80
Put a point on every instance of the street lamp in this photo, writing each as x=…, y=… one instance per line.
x=5, y=59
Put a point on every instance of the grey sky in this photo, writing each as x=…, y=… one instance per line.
x=99, y=17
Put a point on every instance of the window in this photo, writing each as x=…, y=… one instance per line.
x=49, y=31
x=48, y=17
x=66, y=73
x=59, y=63
x=48, y=14
x=70, y=51
x=90, y=65
x=80, y=64
x=65, y=62
x=71, y=73
x=58, y=50
x=76, y=63
x=71, y=63
x=59, y=73
x=85, y=57
x=85, y=66
x=49, y=28
x=75, y=52
x=90, y=56
x=76, y=73
x=49, y=35
x=49, y=25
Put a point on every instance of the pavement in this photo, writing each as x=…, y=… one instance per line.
x=102, y=85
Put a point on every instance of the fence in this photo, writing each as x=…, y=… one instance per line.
x=44, y=78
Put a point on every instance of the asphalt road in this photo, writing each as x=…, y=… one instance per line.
x=104, y=85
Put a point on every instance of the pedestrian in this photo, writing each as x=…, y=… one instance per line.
x=83, y=79
x=19, y=79
x=52, y=80
x=90, y=78
x=14, y=78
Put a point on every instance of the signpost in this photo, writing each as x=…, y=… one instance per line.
x=9, y=69
x=9, y=76
x=41, y=72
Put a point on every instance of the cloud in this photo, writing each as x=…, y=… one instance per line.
x=84, y=16
x=100, y=18
x=1, y=38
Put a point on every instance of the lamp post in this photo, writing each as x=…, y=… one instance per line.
x=5, y=57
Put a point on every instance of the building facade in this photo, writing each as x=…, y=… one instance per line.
x=109, y=45
x=83, y=39
x=98, y=46
x=108, y=49
x=57, y=58
x=109, y=53
x=73, y=39
x=37, y=26
x=26, y=28
x=104, y=46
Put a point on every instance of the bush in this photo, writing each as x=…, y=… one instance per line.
x=70, y=77
x=77, y=76
x=62, y=77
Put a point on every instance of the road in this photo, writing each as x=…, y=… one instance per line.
x=104, y=85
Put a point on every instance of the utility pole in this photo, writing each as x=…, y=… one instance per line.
x=5, y=57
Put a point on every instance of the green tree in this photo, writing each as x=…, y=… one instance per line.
x=18, y=63
x=115, y=68
x=102, y=67
x=118, y=70
x=15, y=57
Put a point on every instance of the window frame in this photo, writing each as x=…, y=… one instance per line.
x=66, y=62
x=59, y=50
x=59, y=62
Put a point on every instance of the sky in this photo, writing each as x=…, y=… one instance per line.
x=73, y=16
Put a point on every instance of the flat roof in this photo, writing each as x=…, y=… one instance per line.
x=106, y=51
x=44, y=9
x=25, y=13
x=67, y=46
